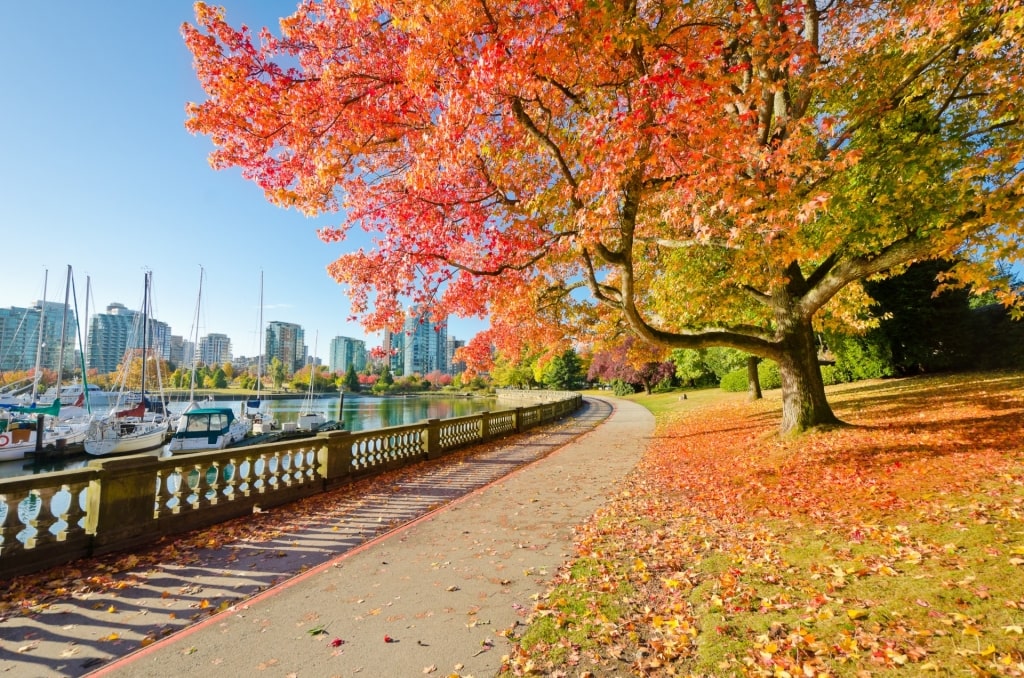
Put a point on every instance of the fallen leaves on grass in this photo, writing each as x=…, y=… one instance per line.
x=885, y=545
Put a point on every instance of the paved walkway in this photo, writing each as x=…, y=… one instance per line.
x=424, y=583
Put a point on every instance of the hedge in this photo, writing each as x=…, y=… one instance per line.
x=768, y=372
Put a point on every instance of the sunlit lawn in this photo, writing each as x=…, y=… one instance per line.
x=892, y=547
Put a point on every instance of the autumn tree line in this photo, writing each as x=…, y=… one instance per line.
x=375, y=378
x=918, y=331
x=915, y=329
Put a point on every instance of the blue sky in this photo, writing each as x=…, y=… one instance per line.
x=99, y=172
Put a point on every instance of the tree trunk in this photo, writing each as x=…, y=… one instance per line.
x=804, y=404
x=753, y=379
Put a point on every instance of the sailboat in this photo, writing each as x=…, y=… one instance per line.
x=19, y=436
x=310, y=419
x=260, y=422
x=134, y=429
x=81, y=396
x=205, y=428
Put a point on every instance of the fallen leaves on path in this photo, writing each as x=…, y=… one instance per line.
x=33, y=593
x=889, y=546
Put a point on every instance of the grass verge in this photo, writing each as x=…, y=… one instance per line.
x=893, y=547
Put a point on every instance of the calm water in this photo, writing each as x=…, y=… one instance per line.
x=358, y=414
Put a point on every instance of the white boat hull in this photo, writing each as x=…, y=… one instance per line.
x=16, y=444
x=115, y=439
x=310, y=421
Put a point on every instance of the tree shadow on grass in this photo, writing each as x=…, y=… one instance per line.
x=931, y=390
x=912, y=440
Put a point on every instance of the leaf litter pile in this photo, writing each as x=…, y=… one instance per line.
x=893, y=546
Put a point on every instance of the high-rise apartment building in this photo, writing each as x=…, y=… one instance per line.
x=19, y=337
x=451, y=346
x=215, y=349
x=394, y=351
x=286, y=342
x=426, y=341
x=159, y=341
x=112, y=333
x=177, y=355
x=346, y=351
x=189, y=354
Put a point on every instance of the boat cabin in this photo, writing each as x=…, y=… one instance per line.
x=207, y=428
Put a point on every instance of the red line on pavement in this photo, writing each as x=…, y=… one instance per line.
x=299, y=578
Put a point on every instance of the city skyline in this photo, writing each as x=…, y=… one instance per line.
x=101, y=174
x=422, y=348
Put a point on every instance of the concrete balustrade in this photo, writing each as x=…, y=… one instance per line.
x=120, y=503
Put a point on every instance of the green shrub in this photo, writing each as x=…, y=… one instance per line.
x=767, y=373
x=621, y=388
x=864, y=357
x=734, y=382
x=663, y=386
x=831, y=375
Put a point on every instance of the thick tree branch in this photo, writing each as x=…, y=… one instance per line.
x=845, y=272
x=822, y=270
x=720, y=243
x=526, y=121
x=605, y=294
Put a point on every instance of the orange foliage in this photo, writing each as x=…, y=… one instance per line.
x=701, y=174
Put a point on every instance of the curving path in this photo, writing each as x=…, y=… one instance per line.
x=440, y=586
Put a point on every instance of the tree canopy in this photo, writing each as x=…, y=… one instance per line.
x=696, y=174
x=631, y=362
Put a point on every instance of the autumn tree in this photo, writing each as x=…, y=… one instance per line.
x=437, y=379
x=156, y=368
x=277, y=372
x=632, y=362
x=710, y=173
x=564, y=372
x=351, y=380
x=218, y=379
x=514, y=373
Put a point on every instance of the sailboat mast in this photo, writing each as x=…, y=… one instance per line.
x=81, y=341
x=85, y=339
x=63, y=332
x=39, y=342
x=262, y=343
x=145, y=331
x=195, y=337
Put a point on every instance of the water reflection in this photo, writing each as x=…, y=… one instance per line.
x=362, y=413
x=359, y=413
